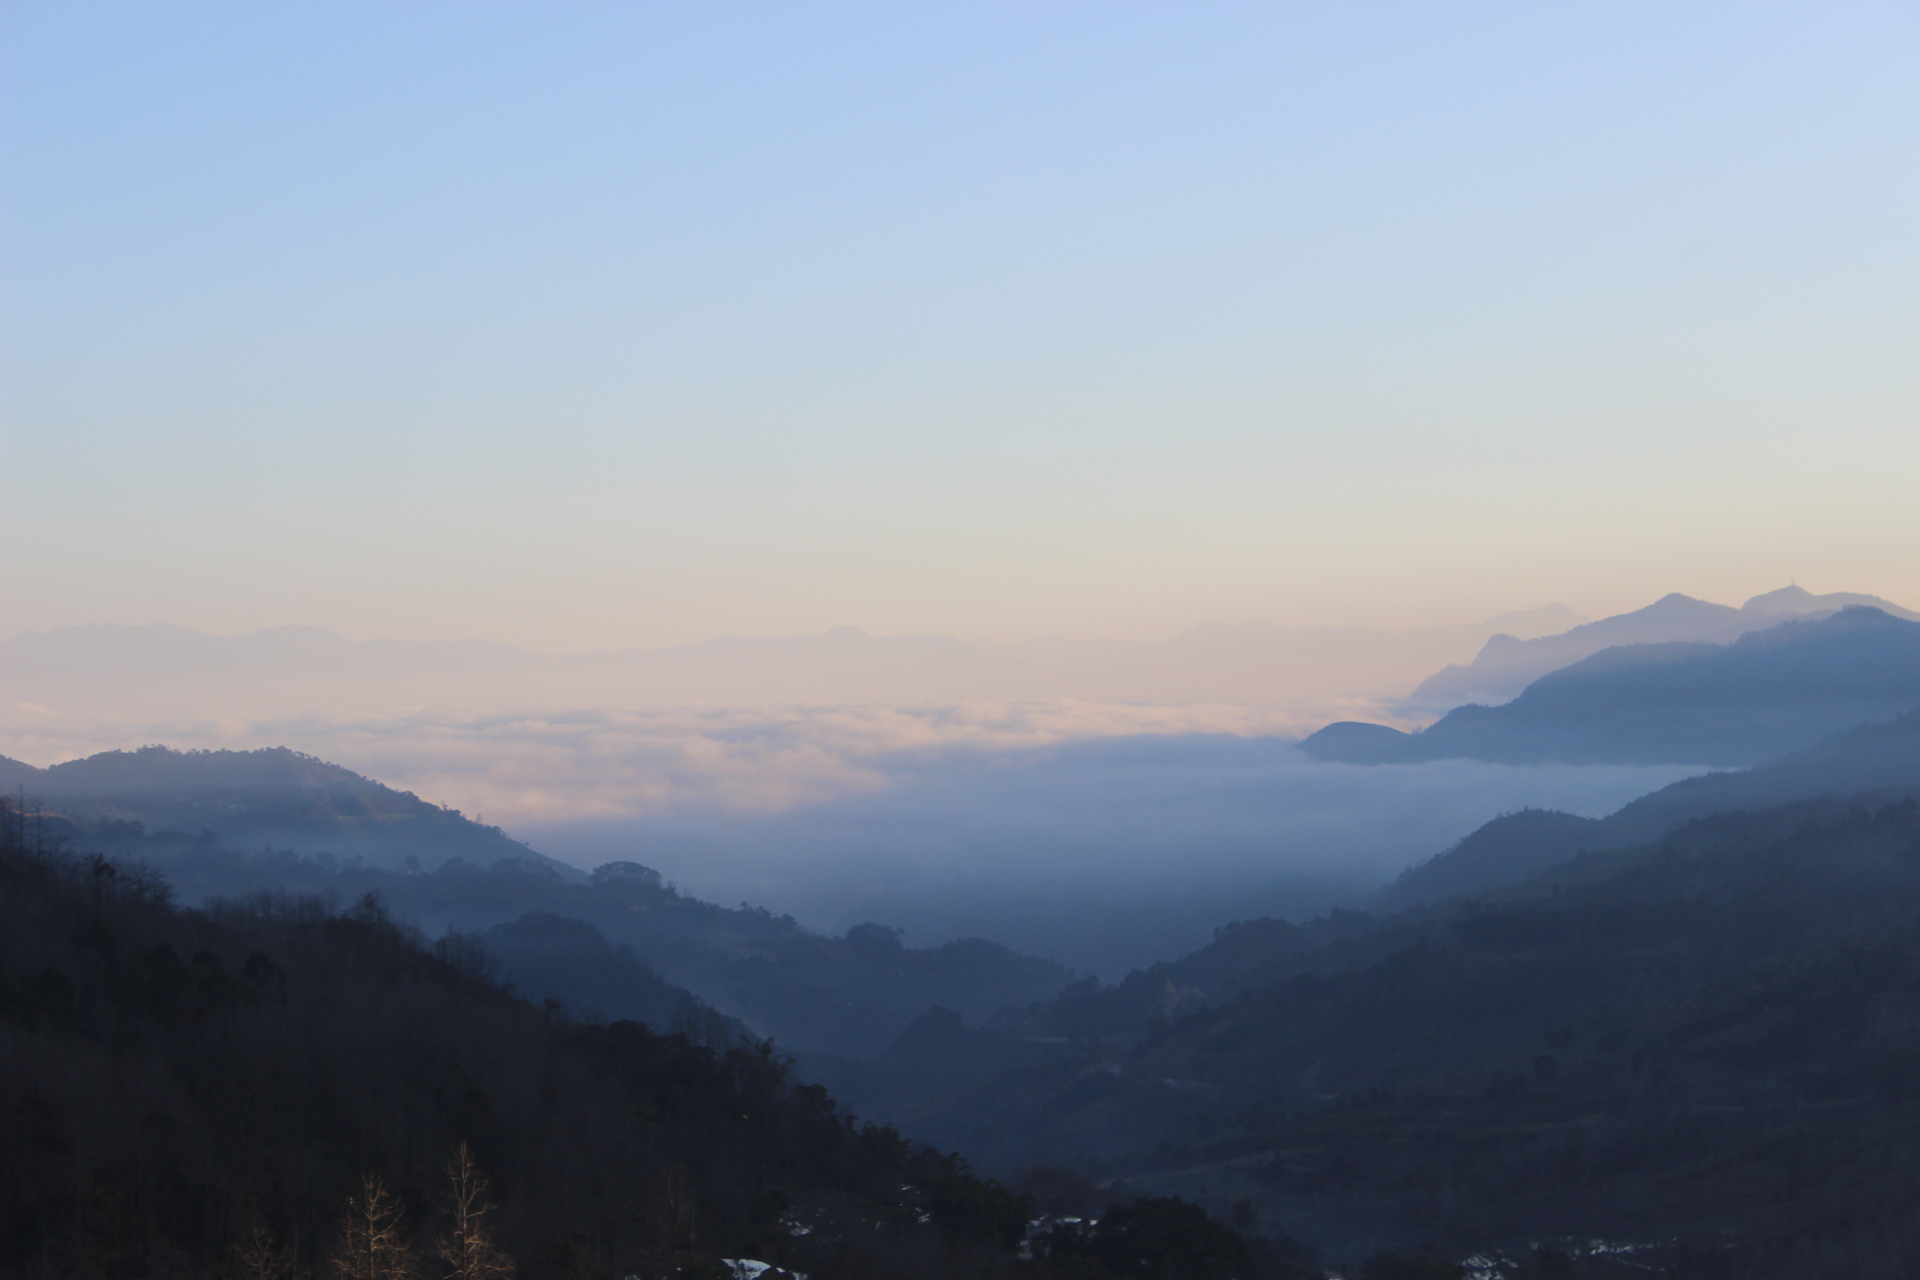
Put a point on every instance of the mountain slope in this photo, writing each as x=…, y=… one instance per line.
x=1872, y=760
x=194, y=815
x=1767, y=693
x=1699, y=1058
x=272, y=796
x=176, y=1087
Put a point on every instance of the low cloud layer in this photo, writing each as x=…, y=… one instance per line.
x=697, y=761
x=1105, y=836
x=1104, y=854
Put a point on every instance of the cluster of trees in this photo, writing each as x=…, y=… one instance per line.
x=375, y=1241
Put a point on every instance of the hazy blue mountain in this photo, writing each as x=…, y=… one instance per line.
x=1507, y=664
x=1765, y=694
x=174, y=1081
x=547, y=956
x=619, y=942
x=1878, y=762
x=1708, y=1041
x=271, y=797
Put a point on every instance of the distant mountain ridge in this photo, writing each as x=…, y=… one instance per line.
x=1765, y=694
x=161, y=668
x=1508, y=664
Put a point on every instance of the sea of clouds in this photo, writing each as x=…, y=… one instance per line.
x=1105, y=836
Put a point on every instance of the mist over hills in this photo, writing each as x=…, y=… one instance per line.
x=620, y=942
x=244, y=1090
x=1874, y=760
x=1548, y=1032
x=1764, y=694
x=1679, y=1029
x=1644, y=1056
x=1103, y=854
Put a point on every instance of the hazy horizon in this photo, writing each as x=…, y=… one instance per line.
x=1020, y=340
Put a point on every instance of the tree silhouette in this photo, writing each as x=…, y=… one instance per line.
x=468, y=1248
x=373, y=1243
x=261, y=1257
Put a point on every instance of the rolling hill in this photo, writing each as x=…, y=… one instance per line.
x=220, y=823
x=272, y=797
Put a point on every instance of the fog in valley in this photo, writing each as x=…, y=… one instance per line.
x=1105, y=855
x=959, y=642
x=1102, y=835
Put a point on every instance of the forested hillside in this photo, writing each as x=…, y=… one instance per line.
x=1706, y=1049
x=1882, y=756
x=194, y=815
x=271, y=1089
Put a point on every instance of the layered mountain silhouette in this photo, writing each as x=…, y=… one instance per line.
x=619, y=942
x=1865, y=765
x=239, y=1090
x=1682, y=1034
x=1765, y=694
x=1507, y=664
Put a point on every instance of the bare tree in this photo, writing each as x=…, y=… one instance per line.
x=373, y=1243
x=469, y=1249
x=676, y=1207
x=261, y=1257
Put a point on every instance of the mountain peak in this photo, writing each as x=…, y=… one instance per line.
x=1789, y=599
x=1795, y=601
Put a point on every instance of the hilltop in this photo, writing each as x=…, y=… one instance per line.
x=273, y=797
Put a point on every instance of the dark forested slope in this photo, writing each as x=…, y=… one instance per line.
x=272, y=1089
x=1710, y=1042
x=222, y=823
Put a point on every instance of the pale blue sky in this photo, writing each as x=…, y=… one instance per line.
x=580, y=326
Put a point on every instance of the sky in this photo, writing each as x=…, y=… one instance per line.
x=590, y=326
